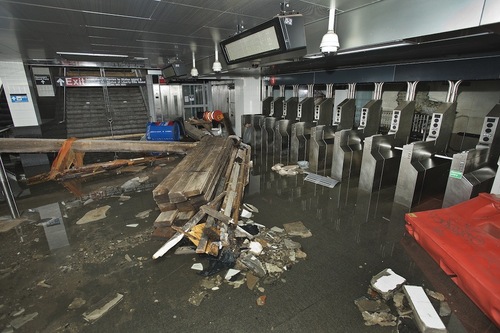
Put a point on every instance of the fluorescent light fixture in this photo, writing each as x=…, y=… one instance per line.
x=82, y=54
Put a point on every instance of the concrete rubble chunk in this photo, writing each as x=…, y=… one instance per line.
x=94, y=215
x=197, y=297
x=255, y=248
x=143, y=214
x=230, y=273
x=426, y=317
x=365, y=304
x=76, y=303
x=434, y=294
x=291, y=245
x=297, y=229
x=20, y=321
x=386, y=283
x=252, y=281
x=254, y=264
x=197, y=266
x=444, y=309
x=102, y=307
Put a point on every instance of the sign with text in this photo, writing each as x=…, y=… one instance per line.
x=42, y=80
x=19, y=98
x=91, y=81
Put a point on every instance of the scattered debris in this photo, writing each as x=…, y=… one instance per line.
x=231, y=273
x=185, y=250
x=386, y=283
x=94, y=215
x=127, y=257
x=197, y=266
x=18, y=322
x=379, y=318
x=250, y=208
x=76, y=303
x=144, y=214
x=377, y=308
x=424, y=313
x=252, y=280
x=124, y=197
x=401, y=304
x=435, y=295
x=102, y=307
x=297, y=229
x=132, y=184
x=261, y=300
x=43, y=284
x=18, y=312
x=287, y=170
x=366, y=305
x=197, y=297
x=444, y=309
x=255, y=248
x=7, y=223
x=321, y=180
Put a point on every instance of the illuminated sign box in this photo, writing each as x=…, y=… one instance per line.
x=280, y=35
x=174, y=70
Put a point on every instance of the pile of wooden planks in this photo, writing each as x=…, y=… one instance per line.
x=216, y=220
x=192, y=183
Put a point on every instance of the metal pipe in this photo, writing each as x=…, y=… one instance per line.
x=7, y=190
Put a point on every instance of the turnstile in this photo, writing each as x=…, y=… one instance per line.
x=305, y=110
x=473, y=171
x=348, y=144
x=290, y=108
x=323, y=137
x=276, y=107
x=266, y=106
x=299, y=142
x=422, y=171
x=381, y=158
x=282, y=133
x=323, y=112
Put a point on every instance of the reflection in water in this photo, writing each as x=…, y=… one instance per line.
x=53, y=225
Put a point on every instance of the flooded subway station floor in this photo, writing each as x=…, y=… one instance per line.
x=54, y=271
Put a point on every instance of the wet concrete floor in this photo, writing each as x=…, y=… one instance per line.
x=44, y=269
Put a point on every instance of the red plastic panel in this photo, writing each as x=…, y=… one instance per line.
x=465, y=241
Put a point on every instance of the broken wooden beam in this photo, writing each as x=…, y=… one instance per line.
x=31, y=145
x=189, y=224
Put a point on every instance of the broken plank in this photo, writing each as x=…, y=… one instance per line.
x=165, y=219
x=32, y=145
x=215, y=214
x=189, y=224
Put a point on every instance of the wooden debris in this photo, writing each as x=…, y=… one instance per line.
x=22, y=145
x=216, y=164
x=191, y=223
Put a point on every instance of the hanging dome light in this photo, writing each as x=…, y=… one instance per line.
x=217, y=66
x=330, y=41
x=194, y=71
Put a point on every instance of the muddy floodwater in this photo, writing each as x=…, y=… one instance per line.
x=57, y=275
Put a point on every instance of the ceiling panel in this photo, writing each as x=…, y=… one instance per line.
x=42, y=13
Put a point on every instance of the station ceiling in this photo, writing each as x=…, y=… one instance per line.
x=155, y=32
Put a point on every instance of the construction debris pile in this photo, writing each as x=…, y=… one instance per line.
x=201, y=199
x=391, y=302
x=262, y=259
